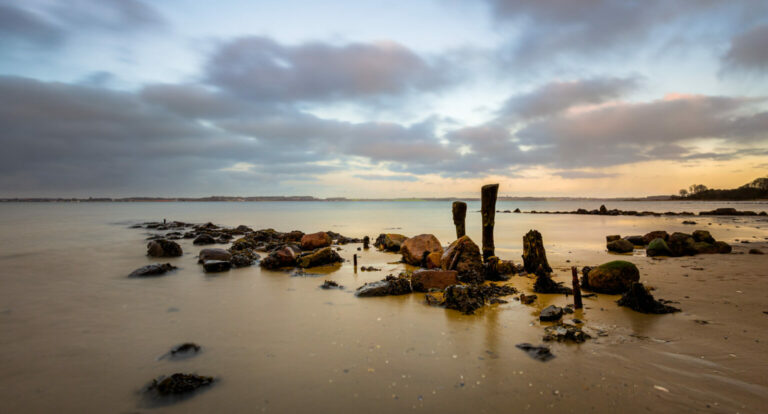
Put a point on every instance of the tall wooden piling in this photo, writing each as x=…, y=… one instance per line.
x=488, y=210
x=459, y=214
x=576, y=289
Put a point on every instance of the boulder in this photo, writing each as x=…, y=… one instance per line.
x=551, y=313
x=463, y=255
x=612, y=237
x=603, y=210
x=433, y=260
x=658, y=234
x=390, y=242
x=204, y=239
x=321, y=257
x=636, y=240
x=681, y=244
x=722, y=247
x=244, y=258
x=213, y=266
x=639, y=299
x=163, y=248
x=658, y=247
x=415, y=248
x=703, y=236
x=156, y=269
x=315, y=241
x=213, y=254
x=704, y=248
x=620, y=246
x=423, y=280
x=506, y=267
x=242, y=243
x=279, y=258
x=391, y=286
x=613, y=277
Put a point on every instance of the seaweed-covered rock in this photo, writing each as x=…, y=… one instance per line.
x=244, y=258
x=416, y=248
x=463, y=255
x=390, y=242
x=163, y=248
x=213, y=254
x=204, y=239
x=704, y=248
x=282, y=257
x=657, y=234
x=613, y=277
x=534, y=254
x=320, y=257
x=179, y=384
x=243, y=243
x=468, y=298
x=424, y=280
x=658, y=247
x=330, y=284
x=545, y=284
x=703, y=236
x=620, y=246
x=214, y=266
x=390, y=286
x=639, y=299
x=551, y=313
x=156, y=269
x=681, y=244
x=527, y=299
x=315, y=241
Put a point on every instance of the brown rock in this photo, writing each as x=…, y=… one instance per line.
x=390, y=241
x=423, y=280
x=163, y=248
x=463, y=255
x=611, y=238
x=414, y=249
x=433, y=260
x=658, y=234
x=213, y=254
x=315, y=241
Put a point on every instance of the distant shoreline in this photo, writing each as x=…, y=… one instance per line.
x=336, y=199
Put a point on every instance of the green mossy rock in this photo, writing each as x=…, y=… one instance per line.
x=620, y=246
x=658, y=247
x=613, y=277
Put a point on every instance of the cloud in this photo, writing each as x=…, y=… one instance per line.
x=261, y=69
x=117, y=15
x=17, y=24
x=380, y=177
x=578, y=175
x=748, y=51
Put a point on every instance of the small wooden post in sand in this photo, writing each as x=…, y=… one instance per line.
x=488, y=210
x=576, y=289
x=354, y=259
x=459, y=214
x=366, y=240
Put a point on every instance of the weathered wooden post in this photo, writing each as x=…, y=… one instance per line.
x=488, y=210
x=354, y=259
x=459, y=214
x=534, y=254
x=366, y=241
x=576, y=289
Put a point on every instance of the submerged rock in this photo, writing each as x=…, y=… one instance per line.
x=215, y=266
x=156, y=269
x=541, y=353
x=315, y=241
x=416, y=248
x=620, y=246
x=551, y=313
x=178, y=384
x=213, y=254
x=463, y=255
x=321, y=257
x=204, y=239
x=639, y=299
x=534, y=254
x=613, y=277
x=390, y=286
x=424, y=280
x=390, y=242
x=163, y=248
x=658, y=247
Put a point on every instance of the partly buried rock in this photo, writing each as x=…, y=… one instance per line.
x=204, y=239
x=156, y=269
x=681, y=244
x=755, y=251
x=282, y=257
x=433, y=260
x=213, y=254
x=639, y=299
x=315, y=241
x=613, y=277
x=657, y=234
x=527, y=299
x=178, y=384
x=320, y=257
x=185, y=350
x=163, y=248
x=541, y=353
x=658, y=247
x=390, y=242
x=636, y=240
x=722, y=247
x=390, y=286
x=424, y=280
x=463, y=255
x=620, y=246
x=551, y=313
x=703, y=236
x=416, y=248
x=214, y=266
x=565, y=333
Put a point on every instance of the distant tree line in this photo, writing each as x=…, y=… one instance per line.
x=755, y=190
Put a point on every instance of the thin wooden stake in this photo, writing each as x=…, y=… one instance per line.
x=576, y=289
x=354, y=259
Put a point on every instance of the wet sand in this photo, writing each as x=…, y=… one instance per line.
x=76, y=335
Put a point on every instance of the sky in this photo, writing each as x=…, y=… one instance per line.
x=375, y=99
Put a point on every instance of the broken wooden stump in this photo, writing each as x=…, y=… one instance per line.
x=459, y=214
x=534, y=254
x=488, y=210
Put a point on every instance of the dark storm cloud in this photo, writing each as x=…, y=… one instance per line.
x=260, y=68
x=748, y=51
x=17, y=24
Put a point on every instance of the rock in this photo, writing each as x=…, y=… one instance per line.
x=658, y=247
x=613, y=277
x=545, y=284
x=506, y=267
x=370, y=269
x=551, y=313
x=527, y=299
x=178, y=384
x=390, y=242
x=185, y=350
x=330, y=284
x=415, y=248
x=213, y=254
x=703, y=236
x=565, y=333
x=541, y=353
x=612, y=237
x=463, y=255
x=639, y=299
x=681, y=244
x=464, y=298
x=433, y=260
x=603, y=210
x=517, y=210
x=689, y=222
x=424, y=280
x=704, y=248
x=242, y=243
x=635, y=240
x=620, y=246
x=656, y=235
x=321, y=257
x=315, y=241
x=279, y=258
x=204, y=239
x=390, y=286
x=156, y=269
x=163, y=248
x=214, y=266
x=755, y=251
x=534, y=254
x=722, y=247
x=244, y=259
